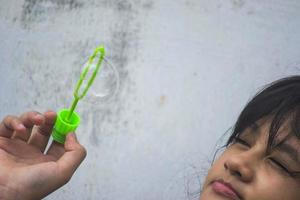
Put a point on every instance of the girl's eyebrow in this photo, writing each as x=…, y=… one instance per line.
x=254, y=128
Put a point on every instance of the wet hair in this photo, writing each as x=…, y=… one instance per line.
x=278, y=101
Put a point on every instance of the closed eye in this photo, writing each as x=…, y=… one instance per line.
x=241, y=141
x=279, y=165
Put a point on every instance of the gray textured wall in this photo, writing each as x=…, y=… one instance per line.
x=186, y=69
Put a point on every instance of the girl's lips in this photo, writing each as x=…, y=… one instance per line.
x=225, y=189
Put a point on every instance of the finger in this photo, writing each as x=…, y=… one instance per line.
x=9, y=125
x=28, y=119
x=71, y=159
x=40, y=134
x=56, y=150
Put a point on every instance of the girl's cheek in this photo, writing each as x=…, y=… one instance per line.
x=216, y=171
x=278, y=183
x=271, y=187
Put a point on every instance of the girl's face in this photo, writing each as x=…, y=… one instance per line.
x=246, y=172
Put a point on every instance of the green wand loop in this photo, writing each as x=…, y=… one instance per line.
x=67, y=119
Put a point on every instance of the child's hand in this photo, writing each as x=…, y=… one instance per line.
x=27, y=173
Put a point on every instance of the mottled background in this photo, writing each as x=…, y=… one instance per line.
x=186, y=68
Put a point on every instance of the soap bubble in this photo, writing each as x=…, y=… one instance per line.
x=106, y=84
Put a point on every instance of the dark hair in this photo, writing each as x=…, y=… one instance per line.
x=279, y=101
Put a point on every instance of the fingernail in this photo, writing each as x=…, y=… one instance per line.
x=39, y=117
x=21, y=126
x=73, y=136
x=50, y=111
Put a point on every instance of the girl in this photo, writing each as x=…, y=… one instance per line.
x=262, y=156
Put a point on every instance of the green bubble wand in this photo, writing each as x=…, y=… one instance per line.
x=67, y=119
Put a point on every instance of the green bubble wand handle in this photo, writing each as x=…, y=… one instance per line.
x=67, y=119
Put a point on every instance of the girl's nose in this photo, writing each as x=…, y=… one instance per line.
x=240, y=166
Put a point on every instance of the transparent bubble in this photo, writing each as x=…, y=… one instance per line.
x=105, y=86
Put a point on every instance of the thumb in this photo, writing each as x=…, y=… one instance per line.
x=73, y=156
